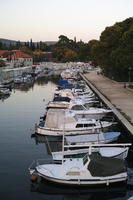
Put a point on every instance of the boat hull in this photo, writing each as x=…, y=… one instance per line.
x=59, y=132
x=85, y=182
x=121, y=154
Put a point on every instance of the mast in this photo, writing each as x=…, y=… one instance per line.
x=63, y=140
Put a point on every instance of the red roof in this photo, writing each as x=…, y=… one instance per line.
x=19, y=54
x=2, y=52
x=15, y=54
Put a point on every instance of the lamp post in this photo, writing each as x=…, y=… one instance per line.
x=129, y=75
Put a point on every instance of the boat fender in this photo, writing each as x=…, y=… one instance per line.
x=34, y=178
x=107, y=183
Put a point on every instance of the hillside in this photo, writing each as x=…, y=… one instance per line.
x=13, y=42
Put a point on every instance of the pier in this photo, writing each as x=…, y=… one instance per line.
x=114, y=95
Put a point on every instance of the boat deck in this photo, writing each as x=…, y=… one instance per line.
x=58, y=117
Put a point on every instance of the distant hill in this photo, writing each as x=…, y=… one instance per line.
x=50, y=42
x=13, y=42
x=8, y=42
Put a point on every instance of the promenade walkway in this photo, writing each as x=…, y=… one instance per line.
x=121, y=98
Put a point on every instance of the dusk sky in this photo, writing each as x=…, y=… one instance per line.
x=45, y=20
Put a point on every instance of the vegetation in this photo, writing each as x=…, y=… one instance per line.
x=64, y=50
x=113, y=52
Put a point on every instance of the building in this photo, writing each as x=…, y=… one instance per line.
x=16, y=58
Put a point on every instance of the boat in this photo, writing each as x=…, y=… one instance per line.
x=5, y=91
x=66, y=74
x=92, y=138
x=51, y=190
x=83, y=140
x=7, y=86
x=75, y=94
x=88, y=170
x=82, y=110
x=64, y=93
x=18, y=80
x=86, y=94
x=66, y=103
x=25, y=78
x=70, y=122
x=119, y=151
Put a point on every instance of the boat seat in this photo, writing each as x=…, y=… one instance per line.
x=73, y=173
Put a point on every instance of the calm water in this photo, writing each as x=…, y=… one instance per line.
x=18, y=149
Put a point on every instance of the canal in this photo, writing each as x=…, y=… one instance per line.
x=18, y=114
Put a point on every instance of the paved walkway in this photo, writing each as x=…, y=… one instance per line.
x=120, y=97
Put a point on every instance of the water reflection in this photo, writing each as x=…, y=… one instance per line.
x=4, y=97
x=52, y=143
x=73, y=193
x=27, y=86
x=44, y=80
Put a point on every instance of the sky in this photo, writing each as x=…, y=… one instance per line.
x=46, y=20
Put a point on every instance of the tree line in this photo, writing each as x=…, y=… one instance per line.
x=113, y=52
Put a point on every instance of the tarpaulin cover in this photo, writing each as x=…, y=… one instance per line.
x=102, y=166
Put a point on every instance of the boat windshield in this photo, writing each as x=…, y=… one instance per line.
x=77, y=107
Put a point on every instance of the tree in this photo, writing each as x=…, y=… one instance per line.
x=63, y=40
x=114, y=51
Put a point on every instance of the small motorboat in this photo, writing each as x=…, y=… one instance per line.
x=119, y=151
x=68, y=121
x=90, y=170
x=5, y=91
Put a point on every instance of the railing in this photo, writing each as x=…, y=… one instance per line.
x=99, y=145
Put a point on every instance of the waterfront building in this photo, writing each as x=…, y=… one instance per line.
x=16, y=58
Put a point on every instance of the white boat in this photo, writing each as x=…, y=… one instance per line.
x=58, y=104
x=23, y=79
x=68, y=104
x=88, y=170
x=83, y=140
x=66, y=74
x=58, y=120
x=83, y=95
x=74, y=94
x=18, y=80
x=64, y=93
x=119, y=151
x=82, y=110
x=91, y=138
x=5, y=91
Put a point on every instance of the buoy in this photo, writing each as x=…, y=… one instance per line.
x=34, y=178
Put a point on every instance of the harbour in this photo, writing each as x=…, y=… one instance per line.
x=19, y=114
x=66, y=100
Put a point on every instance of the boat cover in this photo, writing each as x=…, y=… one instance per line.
x=110, y=135
x=102, y=166
x=59, y=98
x=62, y=82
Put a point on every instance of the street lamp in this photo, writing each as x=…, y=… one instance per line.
x=129, y=74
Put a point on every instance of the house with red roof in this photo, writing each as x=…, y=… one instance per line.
x=16, y=58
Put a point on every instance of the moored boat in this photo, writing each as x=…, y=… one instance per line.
x=119, y=151
x=70, y=122
x=88, y=170
x=5, y=91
